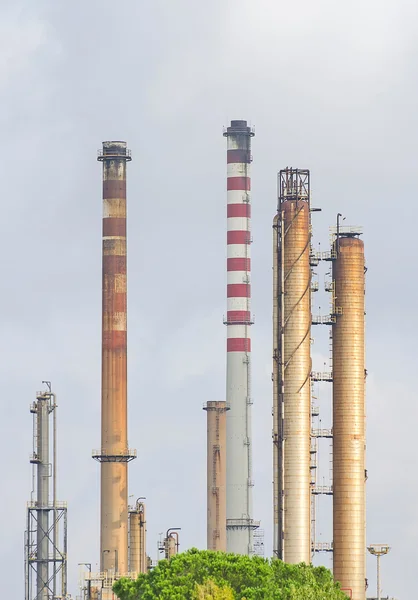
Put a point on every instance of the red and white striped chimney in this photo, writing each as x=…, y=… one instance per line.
x=238, y=321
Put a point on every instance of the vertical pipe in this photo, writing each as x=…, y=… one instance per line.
x=114, y=446
x=378, y=577
x=216, y=475
x=143, y=566
x=292, y=368
x=143, y=562
x=134, y=542
x=349, y=417
x=54, y=486
x=65, y=553
x=239, y=523
x=277, y=377
x=43, y=497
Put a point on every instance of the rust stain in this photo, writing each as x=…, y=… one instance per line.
x=114, y=340
x=114, y=226
x=114, y=265
x=114, y=188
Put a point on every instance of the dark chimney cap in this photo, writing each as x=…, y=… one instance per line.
x=239, y=127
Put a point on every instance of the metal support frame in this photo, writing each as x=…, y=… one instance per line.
x=46, y=521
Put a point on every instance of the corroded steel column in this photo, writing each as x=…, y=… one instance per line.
x=292, y=369
x=114, y=453
x=137, y=539
x=133, y=541
x=349, y=417
x=216, y=475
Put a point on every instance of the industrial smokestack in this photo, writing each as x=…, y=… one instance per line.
x=349, y=415
x=216, y=475
x=239, y=483
x=114, y=453
x=292, y=368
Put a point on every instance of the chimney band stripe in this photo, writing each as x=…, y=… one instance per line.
x=239, y=183
x=114, y=188
x=114, y=226
x=238, y=345
x=238, y=264
x=238, y=316
x=238, y=155
x=238, y=290
x=239, y=210
x=238, y=237
x=114, y=265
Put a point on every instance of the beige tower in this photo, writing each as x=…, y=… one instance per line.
x=114, y=454
x=137, y=539
x=349, y=416
x=292, y=369
x=216, y=475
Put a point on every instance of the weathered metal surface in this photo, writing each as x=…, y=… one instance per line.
x=134, y=541
x=216, y=475
x=349, y=418
x=292, y=456
x=137, y=539
x=114, y=490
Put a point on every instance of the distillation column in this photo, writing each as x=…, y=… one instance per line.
x=349, y=416
x=216, y=475
x=137, y=539
x=43, y=476
x=292, y=368
x=239, y=523
x=114, y=454
x=46, y=528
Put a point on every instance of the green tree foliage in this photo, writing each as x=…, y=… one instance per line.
x=196, y=575
x=210, y=591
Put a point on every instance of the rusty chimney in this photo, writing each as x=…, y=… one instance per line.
x=114, y=453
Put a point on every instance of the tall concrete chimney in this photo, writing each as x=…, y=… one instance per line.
x=239, y=520
x=114, y=453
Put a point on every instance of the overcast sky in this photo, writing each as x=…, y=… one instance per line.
x=329, y=86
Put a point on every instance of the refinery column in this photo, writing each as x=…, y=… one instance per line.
x=292, y=368
x=114, y=454
x=349, y=414
x=239, y=523
x=216, y=475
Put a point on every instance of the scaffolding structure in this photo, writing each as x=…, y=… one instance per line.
x=317, y=432
x=46, y=519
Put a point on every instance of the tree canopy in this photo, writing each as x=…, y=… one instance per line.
x=207, y=575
